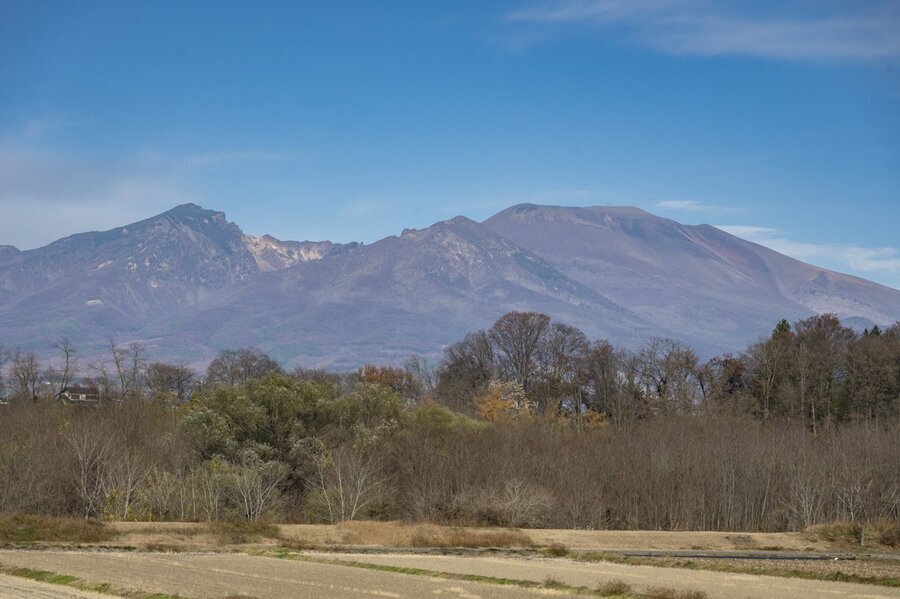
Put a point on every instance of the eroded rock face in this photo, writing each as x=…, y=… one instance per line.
x=188, y=283
x=273, y=254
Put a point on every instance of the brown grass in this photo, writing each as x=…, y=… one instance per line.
x=890, y=536
x=836, y=532
x=666, y=593
x=886, y=533
x=557, y=550
x=397, y=534
x=614, y=588
x=20, y=528
x=469, y=538
x=239, y=532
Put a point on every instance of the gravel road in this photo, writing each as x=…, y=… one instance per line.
x=717, y=585
x=203, y=576
x=12, y=587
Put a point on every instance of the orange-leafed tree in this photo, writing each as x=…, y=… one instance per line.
x=504, y=400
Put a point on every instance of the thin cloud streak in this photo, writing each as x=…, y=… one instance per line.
x=855, y=31
x=689, y=205
x=215, y=159
x=46, y=194
x=882, y=261
x=692, y=206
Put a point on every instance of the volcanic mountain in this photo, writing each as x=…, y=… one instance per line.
x=187, y=283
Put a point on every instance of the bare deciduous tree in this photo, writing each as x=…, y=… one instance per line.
x=92, y=452
x=61, y=377
x=26, y=374
x=236, y=367
x=347, y=480
x=518, y=337
x=171, y=382
x=256, y=485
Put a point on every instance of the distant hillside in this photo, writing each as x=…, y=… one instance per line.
x=188, y=283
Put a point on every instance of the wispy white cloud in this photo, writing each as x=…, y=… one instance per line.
x=47, y=193
x=882, y=263
x=797, y=30
x=365, y=208
x=691, y=206
x=230, y=158
x=680, y=205
x=36, y=129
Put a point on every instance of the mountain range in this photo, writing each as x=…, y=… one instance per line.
x=188, y=283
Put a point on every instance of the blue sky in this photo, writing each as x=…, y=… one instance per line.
x=353, y=120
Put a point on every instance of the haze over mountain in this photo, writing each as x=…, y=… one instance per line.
x=188, y=283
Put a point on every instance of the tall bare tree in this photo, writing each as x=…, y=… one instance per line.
x=128, y=362
x=26, y=374
x=61, y=377
x=236, y=367
x=171, y=382
x=517, y=338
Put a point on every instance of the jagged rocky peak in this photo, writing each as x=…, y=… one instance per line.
x=459, y=225
x=272, y=253
x=192, y=215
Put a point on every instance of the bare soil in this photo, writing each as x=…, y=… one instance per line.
x=870, y=567
x=720, y=585
x=12, y=587
x=212, y=576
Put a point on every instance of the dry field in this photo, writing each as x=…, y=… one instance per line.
x=641, y=578
x=21, y=588
x=347, y=575
x=214, y=576
x=389, y=559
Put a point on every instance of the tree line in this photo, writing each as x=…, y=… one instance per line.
x=816, y=371
x=527, y=423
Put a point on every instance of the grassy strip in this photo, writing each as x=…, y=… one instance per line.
x=82, y=585
x=591, y=556
x=615, y=589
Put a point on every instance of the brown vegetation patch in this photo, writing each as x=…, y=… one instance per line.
x=239, y=532
x=890, y=536
x=614, y=588
x=666, y=593
x=21, y=528
x=396, y=534
x=851, y=534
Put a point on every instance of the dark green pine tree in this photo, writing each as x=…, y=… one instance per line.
x=783, y=327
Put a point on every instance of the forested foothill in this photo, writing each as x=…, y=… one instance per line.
x=525, y=424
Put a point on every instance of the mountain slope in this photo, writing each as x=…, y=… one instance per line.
x=95, y=285
x=188, y=283
x=402, y=295
x=710, y=286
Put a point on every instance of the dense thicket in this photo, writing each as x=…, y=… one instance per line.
x=525, y=424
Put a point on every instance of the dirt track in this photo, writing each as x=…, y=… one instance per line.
x=12, y=587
